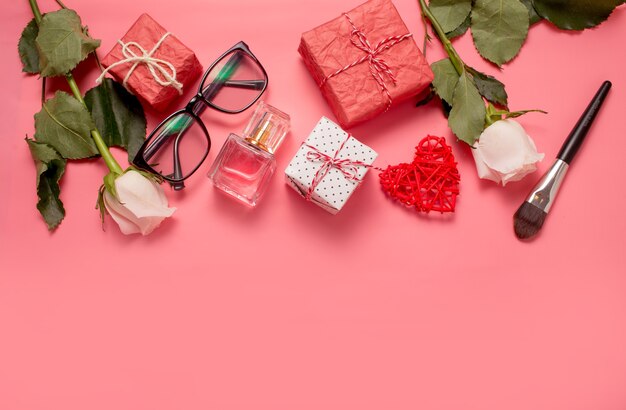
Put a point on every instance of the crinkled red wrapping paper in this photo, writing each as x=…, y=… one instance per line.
x=147, y=32
x=354, y=95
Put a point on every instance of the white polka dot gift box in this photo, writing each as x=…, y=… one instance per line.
x=329, y=166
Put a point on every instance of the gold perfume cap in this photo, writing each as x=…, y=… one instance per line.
x=267, y=127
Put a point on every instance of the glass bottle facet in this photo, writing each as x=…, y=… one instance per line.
x=244, y=166
x=242, y=170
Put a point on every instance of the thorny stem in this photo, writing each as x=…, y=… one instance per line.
x=35, y=8
x=427, y=37
x=108, y=158
x=458, y=64
x=98, y=62
x=113, y=165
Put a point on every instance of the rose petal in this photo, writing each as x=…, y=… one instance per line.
x=502, y=146
x=505, y=153
x=141, y=196
x=149, y=224
x=520, y=174
x=142, y=204
x=484, y=172
x=125, y=219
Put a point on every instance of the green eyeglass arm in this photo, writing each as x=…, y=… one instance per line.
x=247, y=84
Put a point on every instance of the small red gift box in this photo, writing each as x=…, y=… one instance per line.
x=152, y=63
x=365, y=61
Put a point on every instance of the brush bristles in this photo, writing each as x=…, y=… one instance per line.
x=528, y=220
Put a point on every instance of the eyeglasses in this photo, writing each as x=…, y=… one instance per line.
x=178, y=146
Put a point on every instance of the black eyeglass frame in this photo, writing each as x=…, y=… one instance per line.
x=151, y=145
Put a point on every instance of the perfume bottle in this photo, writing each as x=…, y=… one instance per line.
x=245, y=165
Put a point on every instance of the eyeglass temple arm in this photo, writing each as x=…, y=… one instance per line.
x=247, y=84
x=178, y=172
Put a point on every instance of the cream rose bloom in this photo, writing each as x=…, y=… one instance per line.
x=505, y=153
x=140, y=206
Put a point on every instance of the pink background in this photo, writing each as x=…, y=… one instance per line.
x=288, y=307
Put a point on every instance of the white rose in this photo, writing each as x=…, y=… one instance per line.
x=140, y=206
x=505, y=153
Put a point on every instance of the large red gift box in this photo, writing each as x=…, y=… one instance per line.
x=365, y=61
x=148, y=38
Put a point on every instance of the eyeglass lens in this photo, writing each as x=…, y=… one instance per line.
x=234, y=82
x=174, y=156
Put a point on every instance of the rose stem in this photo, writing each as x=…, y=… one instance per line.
x=458, y=64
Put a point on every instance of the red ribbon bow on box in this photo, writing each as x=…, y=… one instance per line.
x=348, y=167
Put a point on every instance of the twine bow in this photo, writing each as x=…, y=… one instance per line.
x=348, y=167
x=378, y=67
x=163, y=72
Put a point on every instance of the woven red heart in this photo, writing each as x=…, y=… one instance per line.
x=430, y=182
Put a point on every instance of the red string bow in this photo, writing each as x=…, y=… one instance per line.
x=377, y=65
x=347, y=166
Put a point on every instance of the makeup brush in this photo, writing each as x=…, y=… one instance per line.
x=529, y=218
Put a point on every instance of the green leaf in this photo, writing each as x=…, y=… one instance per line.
x=499, y=28
x=61, y=42
x=532, y=13
x=467, y=118
x=516, y=114
x=65, y=124
x=100, y=205
x=27, y=49
x=494, y=114
x=576, y=14
x=450, y=13
x=446, y=79
x=109, y=183
x=50, y=169
x=460, y=30
x=118, y=116
x=489, y=87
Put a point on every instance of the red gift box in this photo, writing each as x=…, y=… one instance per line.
x=160, y=66
x=365, y=61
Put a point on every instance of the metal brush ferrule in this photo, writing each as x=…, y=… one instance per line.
x=545, y=192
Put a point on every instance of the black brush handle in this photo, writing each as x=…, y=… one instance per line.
x=578, y=134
